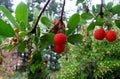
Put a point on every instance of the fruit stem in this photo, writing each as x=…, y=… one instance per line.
x=62, y=11
x=33, y=30
x=101, y=9
x=108, y=28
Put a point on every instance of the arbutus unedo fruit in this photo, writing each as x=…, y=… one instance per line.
x=59, y=48
x=99, y=34
x=60, y=38
x=111, y=35
x=58, y=26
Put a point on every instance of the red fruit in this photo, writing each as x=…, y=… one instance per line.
x=111, y=36
x=60, y=38
x=99, y=34
x=55, y=29
x=59, y=48
x=57, y=26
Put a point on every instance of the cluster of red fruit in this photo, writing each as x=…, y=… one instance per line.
x=59, y=42
x=110, y=35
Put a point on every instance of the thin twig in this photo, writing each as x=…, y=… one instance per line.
x=37, y=20
x=101, y=9
x=62, y=11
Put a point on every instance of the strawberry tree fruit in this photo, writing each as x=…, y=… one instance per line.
x=60, y=38
x=59, y=48
x=58, y=26
x=99, y=34
x=111, y=35
x=55, y=29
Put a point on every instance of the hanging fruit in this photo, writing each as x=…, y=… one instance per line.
x=60, y=38
x=111, y=35
x=99, y=34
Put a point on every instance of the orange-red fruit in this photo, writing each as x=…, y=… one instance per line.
x=111, y=36
x=59, y=38
x=59, y=48
x=99, y=34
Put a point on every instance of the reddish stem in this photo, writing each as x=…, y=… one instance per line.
x=62, y=11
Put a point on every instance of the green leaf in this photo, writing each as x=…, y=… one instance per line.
x=93, y=10
x=21, y=14
x=75, y=38
x=22, y=46
x=22, y=26
x=116, y=9
x=87, y=16
x=79, y=1
x=32, y=68
x=38, y=31
x=98, y=8
x=73, y=22
x=5, y=29
x=35, y=13
x=8, y=14
x=117, y=22
x=82, y=21
x=106, y=13
x=99, y=21
x=22, y=34
x=109, y=5
x=36, y=40
x=46, y=21
x=0, y=41
x=36, y=60
x=47, y=39
x=91, y=26
x=108, y=24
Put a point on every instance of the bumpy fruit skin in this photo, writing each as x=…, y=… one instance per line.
x=99, y=34
x=59, y=48
x=111, y=36
x=59, y=38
